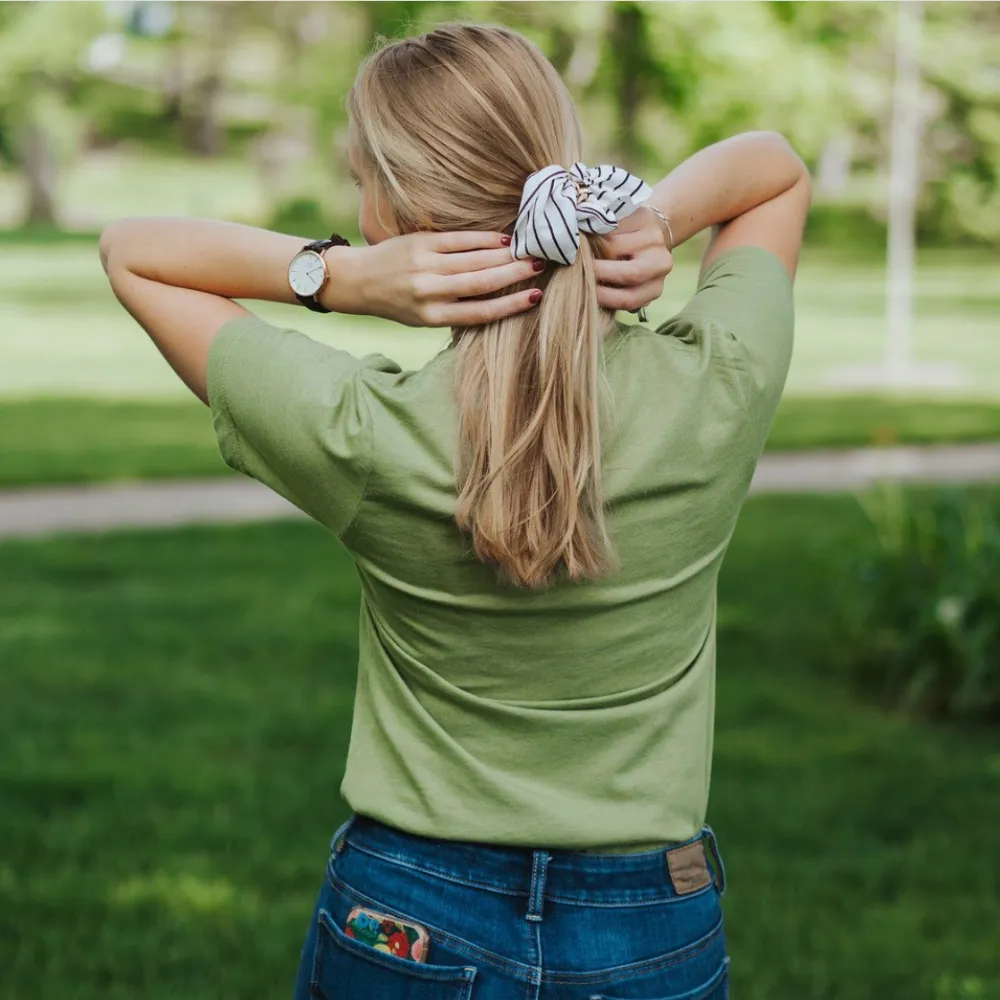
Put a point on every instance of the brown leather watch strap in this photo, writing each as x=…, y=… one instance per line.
x=318, y=246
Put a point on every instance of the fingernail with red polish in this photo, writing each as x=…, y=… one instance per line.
x=535, y=297
x=538, y=265
x=505, y=240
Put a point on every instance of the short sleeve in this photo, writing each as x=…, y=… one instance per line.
x=292, y=413
x=747, y=292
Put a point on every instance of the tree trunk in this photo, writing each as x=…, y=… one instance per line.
x=904, y=184
x=173, y=82
x=202, y=128
x=38, y=164
x=626, y=48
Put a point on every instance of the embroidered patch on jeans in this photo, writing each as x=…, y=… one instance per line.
x=688, y=868
x=401, y=938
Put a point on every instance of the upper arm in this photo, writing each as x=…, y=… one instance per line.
x=746, y=296
x=181, y=322
x=776, y=225
x=294, y=414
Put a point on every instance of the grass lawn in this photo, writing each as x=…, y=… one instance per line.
x=94, y=440
x=174, y=717
x=71, y=338
x=84, y=396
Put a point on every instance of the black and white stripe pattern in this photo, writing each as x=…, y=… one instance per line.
x=558, y=204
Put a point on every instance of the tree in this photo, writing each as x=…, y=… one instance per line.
x=41, y=64
x=962, y=166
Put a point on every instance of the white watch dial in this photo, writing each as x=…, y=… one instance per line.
x=306, y=273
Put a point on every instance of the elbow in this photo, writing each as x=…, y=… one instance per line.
x=780, y=140
x=104, y=248
x=790, y=170
x=113, y=238
x=106, y=244
x=795, y=162
x=775, y=155
x=804, y=183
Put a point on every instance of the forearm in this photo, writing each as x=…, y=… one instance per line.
x=725, y=180
x=221, y=258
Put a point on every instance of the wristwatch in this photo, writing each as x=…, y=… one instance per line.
x=308, y=273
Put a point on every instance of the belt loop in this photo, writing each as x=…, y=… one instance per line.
x=720, y=869
x=536, y=891
x=337, y=841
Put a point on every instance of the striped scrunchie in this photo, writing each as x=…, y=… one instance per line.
x=558, y=204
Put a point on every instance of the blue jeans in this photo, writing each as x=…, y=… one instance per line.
x=517, y=923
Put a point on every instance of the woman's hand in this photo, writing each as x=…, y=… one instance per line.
x=430, y=279
x=639, y=261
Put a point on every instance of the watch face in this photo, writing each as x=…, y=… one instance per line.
x=306, y=273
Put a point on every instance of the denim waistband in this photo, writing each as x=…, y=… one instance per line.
x=506, y=868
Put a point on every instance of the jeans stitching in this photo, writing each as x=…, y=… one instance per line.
x=459, y=944
x=619, y=904
x=454, y=974
x=448, y=876
x=492, y=887
x=720, y=875
x=522, y=970
x=640, y=968
x=718, y=978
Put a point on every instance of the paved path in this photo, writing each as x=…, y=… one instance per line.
x=153, y=504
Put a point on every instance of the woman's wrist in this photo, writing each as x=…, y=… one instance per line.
x=346, y=282
x=221, y=258
x=228, y=259
x=724, y=180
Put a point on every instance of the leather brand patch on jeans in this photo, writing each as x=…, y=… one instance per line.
x=688, y=868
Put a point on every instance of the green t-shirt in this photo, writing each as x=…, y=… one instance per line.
x=577, y=717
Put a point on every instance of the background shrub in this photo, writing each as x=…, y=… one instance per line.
x=919, y=625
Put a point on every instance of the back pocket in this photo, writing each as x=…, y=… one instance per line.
x=717, y=988
x=346, y=969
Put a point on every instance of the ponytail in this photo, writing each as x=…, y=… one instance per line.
x=450, y=125
x=531, y=392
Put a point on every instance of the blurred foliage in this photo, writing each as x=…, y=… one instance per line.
x=921, y=624
x=40, y=115
x=299, y=215
x=654, y=82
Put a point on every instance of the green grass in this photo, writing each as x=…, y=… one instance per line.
x=88, y=440
x=107, y=184
x=859, y=421
x=104, y=185
x=94, y=440
x=65, y=335
x=174, y=716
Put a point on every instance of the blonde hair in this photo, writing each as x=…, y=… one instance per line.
x=452, y=123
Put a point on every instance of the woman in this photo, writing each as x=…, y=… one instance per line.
x=538, y=516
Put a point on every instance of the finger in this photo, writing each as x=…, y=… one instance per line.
x=470, y=260
x=485, y=310
x=624, y=273
x=628, y=273
x=453, y=242
x=629, y=298
x=621, y=243
x=492, y=279
x=631, y=223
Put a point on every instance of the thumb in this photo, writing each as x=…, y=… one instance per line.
x=631, y=223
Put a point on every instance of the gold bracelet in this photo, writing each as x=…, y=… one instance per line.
x=665, y=225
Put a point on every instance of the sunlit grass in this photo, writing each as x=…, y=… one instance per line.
x=182, y=893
